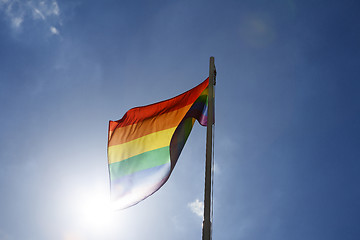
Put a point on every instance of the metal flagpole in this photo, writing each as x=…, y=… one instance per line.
x=206, y=235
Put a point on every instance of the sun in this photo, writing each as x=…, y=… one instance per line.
x=94, y=213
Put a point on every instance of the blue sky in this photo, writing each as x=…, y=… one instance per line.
x=287, y=116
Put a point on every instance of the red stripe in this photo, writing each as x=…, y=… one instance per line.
x=139, y=114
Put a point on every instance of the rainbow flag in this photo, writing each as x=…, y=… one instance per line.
x=144, y=146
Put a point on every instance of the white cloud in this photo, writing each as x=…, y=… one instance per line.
x=44, y=9
x=54, y=30
x=197, y=207
x=38, y=14
x=16, y=21
x=47, y=8
x=18, y=12
x=13, y=12
x=56, y=9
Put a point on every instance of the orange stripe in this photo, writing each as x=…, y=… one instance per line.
x=139, y=114
x=148, y=126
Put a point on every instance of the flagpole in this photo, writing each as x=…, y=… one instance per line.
x=207, y=228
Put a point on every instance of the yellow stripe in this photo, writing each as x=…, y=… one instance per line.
x=147, y=143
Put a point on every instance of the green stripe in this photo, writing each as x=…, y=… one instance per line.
x=140, y=162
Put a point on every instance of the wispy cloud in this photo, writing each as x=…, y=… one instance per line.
x=197, y=207
x=17, y=12
x=45, y=9
x=54, y=30
x=38, y=14
x=16, y=21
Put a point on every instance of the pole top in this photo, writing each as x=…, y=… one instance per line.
x=213, y=69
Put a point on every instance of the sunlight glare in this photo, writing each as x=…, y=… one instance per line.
x=94, y=213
